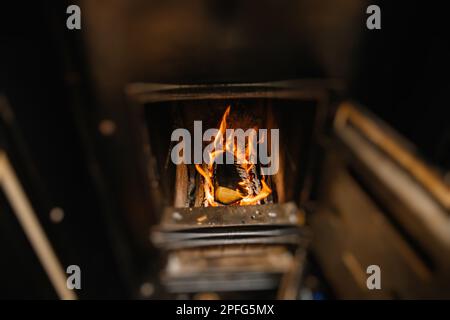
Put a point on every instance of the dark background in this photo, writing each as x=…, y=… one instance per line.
x=59, y=87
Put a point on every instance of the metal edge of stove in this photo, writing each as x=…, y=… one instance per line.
x=262, y=224
x=178, y=219
x=296, y=88
x=192, y=243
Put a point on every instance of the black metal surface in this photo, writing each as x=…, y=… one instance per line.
x=226, y=225
x=230, y=216
x=47, y=150
x=199, y=243
x=399, y=76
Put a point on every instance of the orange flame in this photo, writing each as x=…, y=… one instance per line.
x=244, y=159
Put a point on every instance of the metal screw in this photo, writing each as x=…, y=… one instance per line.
x=147, y=289
x=56, y=215
x=107, y=127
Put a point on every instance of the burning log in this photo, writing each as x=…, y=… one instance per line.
x=227, y=196
x=232, y=183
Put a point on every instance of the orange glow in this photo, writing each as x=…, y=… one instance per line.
x=242, y=156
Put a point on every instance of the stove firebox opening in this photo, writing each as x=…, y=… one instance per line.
x=232, y=165
x=229, y=168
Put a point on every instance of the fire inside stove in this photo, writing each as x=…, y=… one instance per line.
x=238, y=182
x=229, y=221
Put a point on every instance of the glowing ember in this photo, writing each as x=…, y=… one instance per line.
x=251, y=189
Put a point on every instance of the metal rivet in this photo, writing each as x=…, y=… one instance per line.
x=56, y=215
x=147, y=289
x=177, y=216
x=107, y=127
